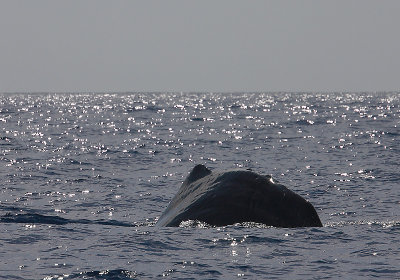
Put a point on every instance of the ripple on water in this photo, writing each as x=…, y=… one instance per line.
x=85, y=176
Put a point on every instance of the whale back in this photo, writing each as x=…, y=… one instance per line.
x=181, y=199
x=234, y=196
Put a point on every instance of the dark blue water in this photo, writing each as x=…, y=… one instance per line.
x=84, y=177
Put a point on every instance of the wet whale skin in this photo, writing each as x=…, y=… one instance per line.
x=236, y=196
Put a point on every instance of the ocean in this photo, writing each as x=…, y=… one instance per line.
x=85, y=176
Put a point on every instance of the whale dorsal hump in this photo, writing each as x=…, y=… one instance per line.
x=198, y=172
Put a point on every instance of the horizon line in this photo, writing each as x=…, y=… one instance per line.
x=201, y=92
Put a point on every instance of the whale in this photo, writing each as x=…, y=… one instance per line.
x=235, y=196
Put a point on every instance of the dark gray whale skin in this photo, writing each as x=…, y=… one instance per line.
x=235, y=196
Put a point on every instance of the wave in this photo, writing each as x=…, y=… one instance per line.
x=115, y=274
x=34, y=218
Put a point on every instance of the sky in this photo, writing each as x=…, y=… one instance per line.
x=208, y=46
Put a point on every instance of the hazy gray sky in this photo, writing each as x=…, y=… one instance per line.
x=218, y=45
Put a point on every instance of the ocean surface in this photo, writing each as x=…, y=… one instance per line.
x=84, y=178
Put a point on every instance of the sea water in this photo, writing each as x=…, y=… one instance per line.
x=84, y=177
